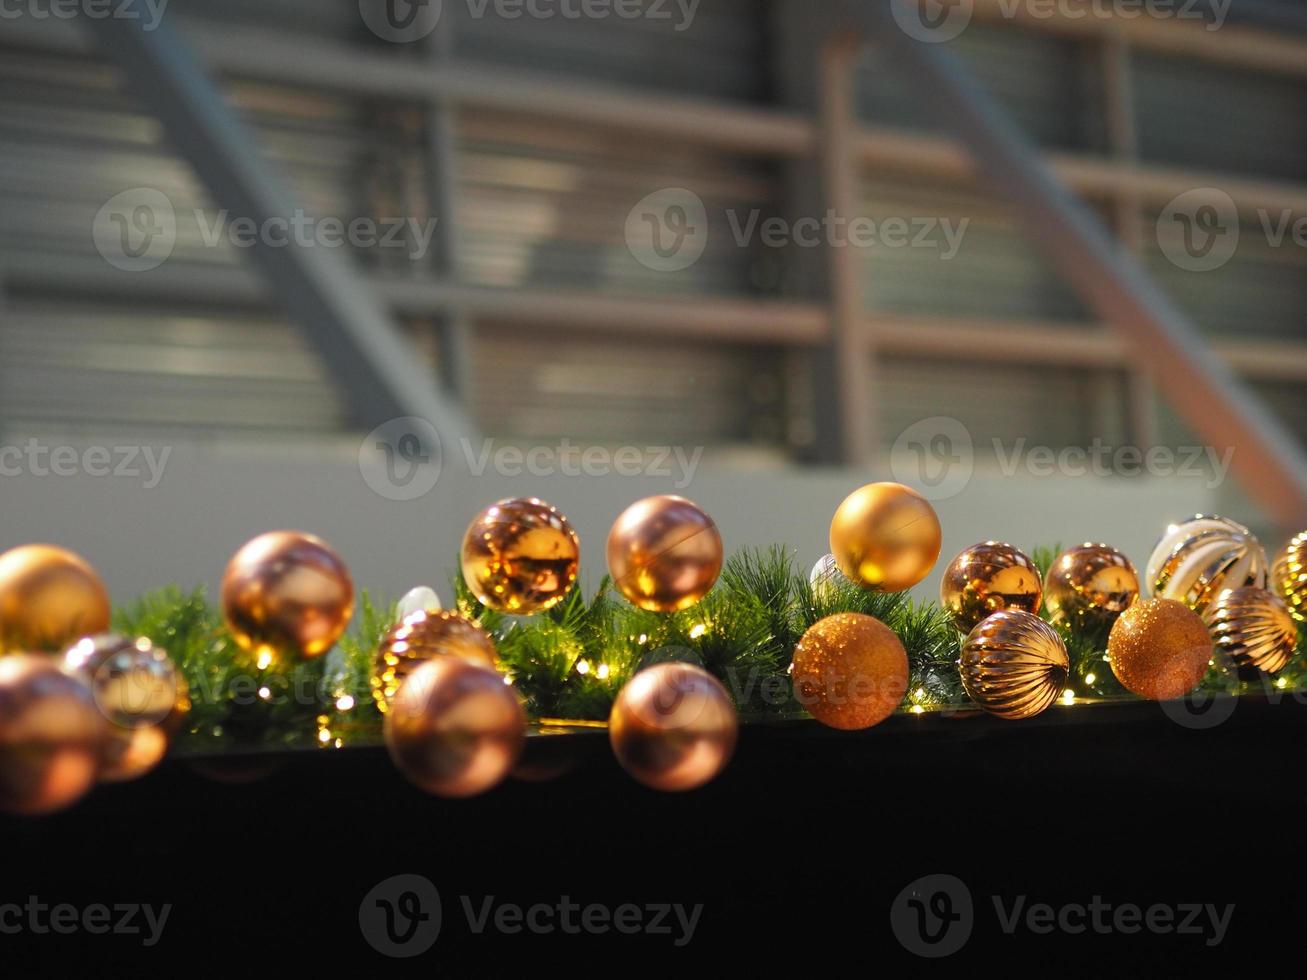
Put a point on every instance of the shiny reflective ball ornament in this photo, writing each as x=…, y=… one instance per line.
x=1289, y=576
x=51, y=735
x=139, y=692
x=664, y=553
x=673, y=727
x=420, y=637
x=455, y=728
x=1200, y=558
x=1014, y=665
x=520, y=556
x=1253, y=628
x=49, y=597
x=825, y=575
x=988, y=578
x=1159, y=649
x=286, y=594
x=1090, y=586
x=850, y=671
x=885, y=536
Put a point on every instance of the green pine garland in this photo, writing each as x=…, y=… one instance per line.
x=570, y=662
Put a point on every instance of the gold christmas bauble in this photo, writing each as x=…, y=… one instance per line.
x=1200, y=558
x=420, y=637
x=673, y=726
x=1014, y=664
x=664, y=553
x=455, y=728
x=985, y=579
x=1289, y=576
x=1253, y=628
x=51, y=735
x=286, y=594
x=850, y=671
x=1090, y=586
x=49, y=597
x=885, y=536
x=140, y=693
x=1159, y=649
x=520, y=556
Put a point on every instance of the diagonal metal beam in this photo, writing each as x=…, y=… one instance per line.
x=381, y=374
x=1220, y=408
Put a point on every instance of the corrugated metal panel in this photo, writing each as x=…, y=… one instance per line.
x=1212, y=118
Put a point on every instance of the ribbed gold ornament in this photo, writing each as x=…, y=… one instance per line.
x=1253, y=628
x=1200, y=558
x=1014, y=665
x=420, y=637
x=1289, y=576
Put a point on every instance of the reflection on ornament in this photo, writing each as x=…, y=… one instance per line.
x=51, y=735
x=1253, y=628
x=286, y=594
x=1289, y=576
x=1090, y=586
x=1014, y=665
x=138, y=690
x=49, y=597
x=850, y=671
x=1159, y=649
x=985, y=579
x=664, y=553
x=1200, y=558
x=885, y=536
x=455, y=728
x=420, y=599
x=421, y=637
x=520, y=556
x=673, y=727
x=825, y=574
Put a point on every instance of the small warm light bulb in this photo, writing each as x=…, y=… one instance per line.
x=642, y=638
x=324, y=736
x=345, y=702
x=265, y=658
x=602, y=672
x=918, y=709
x=265, y=693
x=583, y=667
x=699, y=630
x=1091, y=678
x=1068, y=696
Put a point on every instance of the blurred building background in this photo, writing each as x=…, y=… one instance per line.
x=531, y=140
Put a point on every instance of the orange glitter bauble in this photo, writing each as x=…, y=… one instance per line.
x=1159, y=649
x=850, y=671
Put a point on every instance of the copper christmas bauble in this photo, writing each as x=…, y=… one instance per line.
x=140, y=693
x=850, y=671
x=1200, y=558
x=673, y=726
x=520, y=556
x=1014, y=664
x=1253, y=628
x=51, y=735
x=454, y=727
x=285, y=595
x=1159, y=649
x=1090, y=586
x=985, y=579
x=664, y=553
x=48, y=598
x=1289, y=576
x=420, y=637
x=885, y=536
